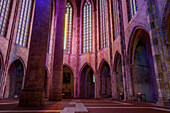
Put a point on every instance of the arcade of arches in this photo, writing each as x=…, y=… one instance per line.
x=65, y=49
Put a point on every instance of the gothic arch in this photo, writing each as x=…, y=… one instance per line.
x=21, y=61
x=15, y=79
x=105, y=79
x=68, y=82
x=86, y=64
x=116, y=58
x=133, y=40
x=118, y=75
x=101, y=63
x=142, y=70
x=86, y=82
x=71, y=68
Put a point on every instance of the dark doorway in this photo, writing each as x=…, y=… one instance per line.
x=87, y=82
x=68, y=83
x=14, y=80
x=105, y=80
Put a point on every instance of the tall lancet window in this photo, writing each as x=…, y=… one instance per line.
x=102, y=23
x=5, y=7
x=68, y=28
x=115, y=18
x=132, y=8
x=87, y=27
x=24, y=23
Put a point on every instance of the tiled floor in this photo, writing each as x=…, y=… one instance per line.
x=83, y=106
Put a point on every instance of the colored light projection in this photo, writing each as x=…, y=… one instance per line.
x=68, y=29
x=65, y=31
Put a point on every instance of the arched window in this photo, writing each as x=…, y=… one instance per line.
x=115, y=18
x=68, y=28
x=87, y=27
x=102, y=24
x=5, y=7
x=24, y=22
x=132, y=8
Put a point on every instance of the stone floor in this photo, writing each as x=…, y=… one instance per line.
x=83, y=106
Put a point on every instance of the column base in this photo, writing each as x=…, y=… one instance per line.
x=55, y=97
x=32, y=97
x=160, y=102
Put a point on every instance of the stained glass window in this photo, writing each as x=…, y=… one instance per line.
x=132, y=8
x=87, y=27
x=102, y=17
x=115, y=18
x=5, y=6
x=68, y=28
x=24, y=23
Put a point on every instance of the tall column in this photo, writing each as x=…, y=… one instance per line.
x=97, y=85
x=56, y=86
x=157, y=52
x=33, y=93
x=129, y=70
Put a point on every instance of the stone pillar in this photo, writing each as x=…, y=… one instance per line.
x=56, y=86
x=157, y=53
x=97, y=85
x=130, y=95
x=114, y=86
x=166, y=50
x=75, y=87
x=33, y=93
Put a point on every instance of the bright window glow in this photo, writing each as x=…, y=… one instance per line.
x=93, y=78
x=87, y=27
x=4, y=14
x=133, y=7
x=24, y=22
x=102, y=16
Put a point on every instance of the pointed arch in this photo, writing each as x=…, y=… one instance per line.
x=101, y=63
x=105, y=79
x=21, y=61
x=141, y=65
x=137, y=33
x=87, y=81
x=15, y=79
x=68, y=82
x=116, y=58
x=86, y=64
x=67, y=65
x=118, y=75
